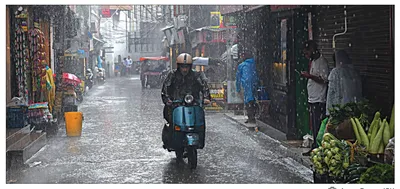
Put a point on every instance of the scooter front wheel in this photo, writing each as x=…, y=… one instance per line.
x=192, y=157
x=179, y=154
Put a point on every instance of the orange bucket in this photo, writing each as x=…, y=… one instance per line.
x=73, y=123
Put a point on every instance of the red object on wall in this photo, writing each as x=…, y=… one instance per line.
x=105, y=11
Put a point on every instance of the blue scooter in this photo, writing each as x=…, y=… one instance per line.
x=188, y=129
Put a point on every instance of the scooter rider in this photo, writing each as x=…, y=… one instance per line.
x=180, y=82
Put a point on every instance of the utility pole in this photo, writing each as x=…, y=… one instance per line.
x=189, y=17
x=130, y=30
x=126, y=30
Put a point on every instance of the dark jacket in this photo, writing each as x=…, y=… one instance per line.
x=176, y=86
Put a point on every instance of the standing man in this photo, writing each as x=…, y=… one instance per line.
x=125, y=67
x=246, y=77
x=129, y=65
x=317, y=86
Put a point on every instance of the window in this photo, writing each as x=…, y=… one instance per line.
x=280, y=63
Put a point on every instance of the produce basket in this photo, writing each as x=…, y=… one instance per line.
x=354, y=147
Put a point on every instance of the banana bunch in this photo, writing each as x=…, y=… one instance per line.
x=332, y=157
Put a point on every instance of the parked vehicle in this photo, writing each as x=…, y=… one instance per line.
x=153, y=71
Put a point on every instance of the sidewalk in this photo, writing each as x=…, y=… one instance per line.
x=288, y=148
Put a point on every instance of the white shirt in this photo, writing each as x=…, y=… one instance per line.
x=129, y=63
x=317, y=91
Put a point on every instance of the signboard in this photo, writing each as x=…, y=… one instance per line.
x=217, y=92
x=215, y=19
x=230, y=20
x=221, y=36
x=233, y=96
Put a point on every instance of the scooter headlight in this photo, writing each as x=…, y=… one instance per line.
x=189, y=99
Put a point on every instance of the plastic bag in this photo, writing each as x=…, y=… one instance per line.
x=321, y=131
x=389, y=152
x=307, y=142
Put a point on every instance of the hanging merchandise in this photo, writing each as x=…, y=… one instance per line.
x=21, y=55
x=37, y=57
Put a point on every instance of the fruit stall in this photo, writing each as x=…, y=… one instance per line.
x=356, y=145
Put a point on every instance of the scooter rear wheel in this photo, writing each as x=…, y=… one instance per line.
x=192, y=157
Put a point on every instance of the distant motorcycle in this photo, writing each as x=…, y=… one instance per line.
x=101, y=75
x=89, y=79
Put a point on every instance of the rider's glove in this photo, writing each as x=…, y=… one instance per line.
x=206, y=101
x=169, y=102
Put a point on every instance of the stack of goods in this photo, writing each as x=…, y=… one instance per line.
x=368, y=158
x=39, y=113
x=69, y=98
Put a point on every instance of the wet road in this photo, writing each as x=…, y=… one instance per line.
x=121, y=143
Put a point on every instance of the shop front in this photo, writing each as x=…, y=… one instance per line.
x=32, y=80
x=212, y=43
x=275, y=35
x=366, y=33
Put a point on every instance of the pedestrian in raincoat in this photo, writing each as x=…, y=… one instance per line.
x=247, y=78
x=344, y=82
